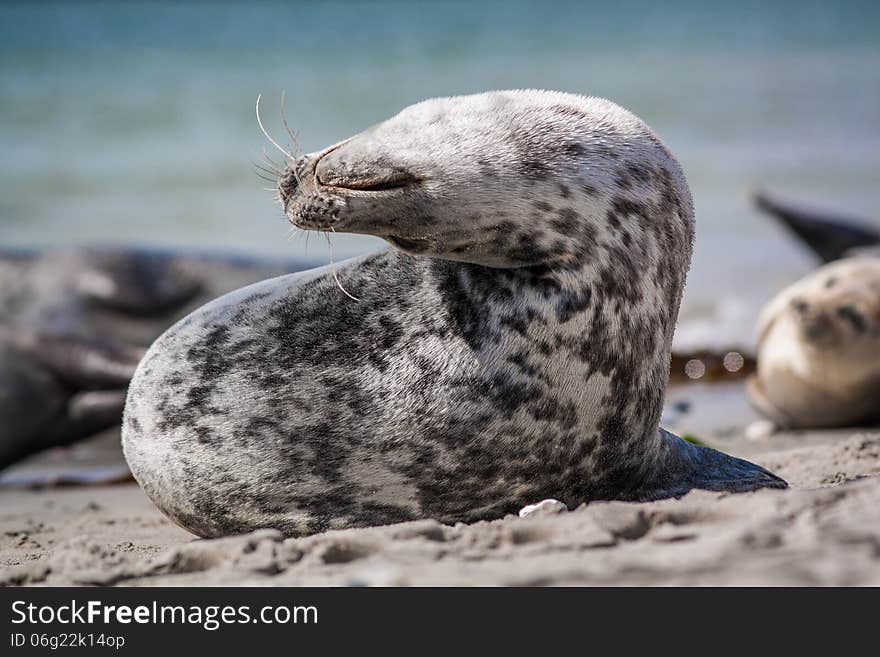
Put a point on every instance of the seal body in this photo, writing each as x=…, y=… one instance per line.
x=75, y=322
x=514, y=346
x=119, y=294
x=819, y=349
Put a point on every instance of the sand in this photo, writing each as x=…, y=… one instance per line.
x=824, y=530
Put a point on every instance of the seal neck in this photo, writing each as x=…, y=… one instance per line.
x=581, y=342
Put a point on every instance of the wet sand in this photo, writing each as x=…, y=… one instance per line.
x=824, y=530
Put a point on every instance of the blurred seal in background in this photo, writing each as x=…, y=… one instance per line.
x=819, y=339
x=74, y=323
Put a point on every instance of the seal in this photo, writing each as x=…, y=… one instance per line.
x=819, y=339
x=513, y=346
x=75, y=322
x=819, y=349
x=58, y=389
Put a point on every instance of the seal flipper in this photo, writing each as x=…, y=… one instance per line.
x=86, y=364
x=84, y=415
x=684, y=466
x=761, y=403
x=141, y=283
x=829, y=237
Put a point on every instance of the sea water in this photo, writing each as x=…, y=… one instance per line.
x=134, y=121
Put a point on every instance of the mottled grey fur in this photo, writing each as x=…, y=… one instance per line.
x=515, y=346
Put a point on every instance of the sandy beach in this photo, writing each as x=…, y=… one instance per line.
x=822, y=531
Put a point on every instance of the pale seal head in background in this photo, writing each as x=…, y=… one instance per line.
x=819, y=349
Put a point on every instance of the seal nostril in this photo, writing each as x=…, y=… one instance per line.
x=288, y=184
x=818, y=328
x=853, y=316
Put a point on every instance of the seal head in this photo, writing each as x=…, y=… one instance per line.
x=513, y=346
x=819, y=342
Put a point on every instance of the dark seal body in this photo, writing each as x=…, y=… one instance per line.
x=75, y=322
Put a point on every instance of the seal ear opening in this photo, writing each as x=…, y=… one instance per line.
x=828, y=237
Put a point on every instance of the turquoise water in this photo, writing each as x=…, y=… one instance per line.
x=134, y=121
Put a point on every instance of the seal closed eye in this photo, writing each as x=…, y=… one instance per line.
x=513, y=346
x=395, y=181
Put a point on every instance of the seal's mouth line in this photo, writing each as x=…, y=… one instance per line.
x=414, y=244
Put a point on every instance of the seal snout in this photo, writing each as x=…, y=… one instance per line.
x=304, y=203
x=347, y=188
x=289, y=182
x=830, y=319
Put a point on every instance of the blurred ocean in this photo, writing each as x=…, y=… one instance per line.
x=134, y=121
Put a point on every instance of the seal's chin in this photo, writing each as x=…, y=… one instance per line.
x=314, y=214
x=316, y=225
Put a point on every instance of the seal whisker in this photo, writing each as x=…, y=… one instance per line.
x=293, y=137
x=333, y=267
x=297, y=148
x=264, y=176
x=272, y=141
x=267, y=170
x=277, y=167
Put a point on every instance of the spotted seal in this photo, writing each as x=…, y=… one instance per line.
x=819, y=339
x=74, y=323
x=513, y=345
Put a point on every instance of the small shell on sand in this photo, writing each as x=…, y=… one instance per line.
x=760, y=430
x=543, y=508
